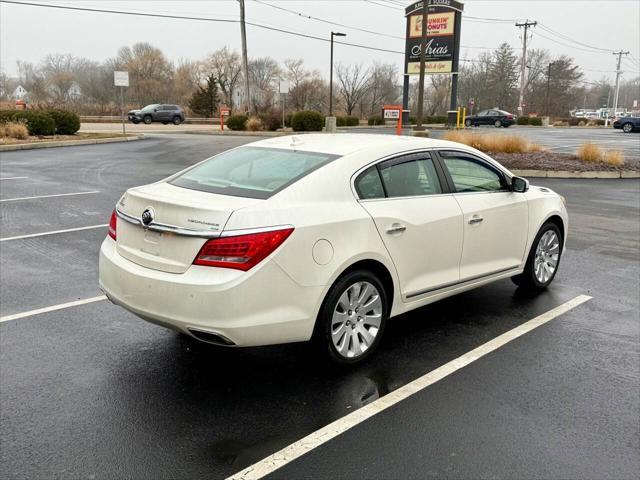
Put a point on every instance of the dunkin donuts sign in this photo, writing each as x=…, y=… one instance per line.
x=443, y=36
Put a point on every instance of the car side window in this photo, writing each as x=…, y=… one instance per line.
x=470, y=174
x=483, y=113
x=369, y=184
x=410, y=176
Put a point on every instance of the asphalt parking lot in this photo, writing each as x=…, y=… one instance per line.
x=91, y=391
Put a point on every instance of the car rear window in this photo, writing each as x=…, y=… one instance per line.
x=252, y=172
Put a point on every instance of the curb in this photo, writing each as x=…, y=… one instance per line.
x=569, y=174
x=68, y=143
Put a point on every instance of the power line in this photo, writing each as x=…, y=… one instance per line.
x=205, y=19
x=384, y=5
x=329, y=22
x=566, y=37
x=567, y=45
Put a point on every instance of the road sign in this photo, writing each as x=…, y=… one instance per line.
x=225, y=111
x=283, y=86
x=394, y=112
x=121, y=79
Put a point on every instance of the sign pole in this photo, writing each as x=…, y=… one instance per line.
x=122, y=109
x=456, y=60
x=423, y=59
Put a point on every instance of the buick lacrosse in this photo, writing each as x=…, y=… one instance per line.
x=325, y=237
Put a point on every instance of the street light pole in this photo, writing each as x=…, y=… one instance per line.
x=333, y=34
x=548, y=85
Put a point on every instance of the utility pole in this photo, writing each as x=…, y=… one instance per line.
x=618, y=72
x=523, y=67
x=245, y=61
x=423, y=59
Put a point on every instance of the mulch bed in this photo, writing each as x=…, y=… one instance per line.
x=557, y=161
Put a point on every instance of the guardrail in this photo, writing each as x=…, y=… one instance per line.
x=117, y=119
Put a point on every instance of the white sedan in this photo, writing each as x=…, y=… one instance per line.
x=325, y=237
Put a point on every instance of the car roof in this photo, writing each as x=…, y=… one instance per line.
x=347, y=143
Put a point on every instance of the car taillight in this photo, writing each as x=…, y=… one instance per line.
x=241, y=251
x=113, y=225
x=509, y=117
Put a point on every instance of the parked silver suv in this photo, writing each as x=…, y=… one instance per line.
x=157, y=112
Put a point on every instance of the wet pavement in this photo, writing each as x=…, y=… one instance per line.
x=93, y=391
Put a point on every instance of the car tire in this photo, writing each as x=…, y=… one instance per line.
x=177, y=120
x=343, y=331
x=627, y=127
x=497, y=124
x=467, y=123
x=543, y=260
x=147, y=119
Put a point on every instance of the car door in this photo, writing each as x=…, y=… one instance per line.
x=163, y=113
x=419, y=222
x=495, y=219
x=481, y=118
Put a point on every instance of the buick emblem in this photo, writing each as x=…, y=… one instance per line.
x=147, y=217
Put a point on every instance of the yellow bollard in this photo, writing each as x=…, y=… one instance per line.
x=464, y=117
x=458, y=118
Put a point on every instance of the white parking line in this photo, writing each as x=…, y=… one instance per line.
x=12, y=178
x=48, y=196
x=317, y=438
x=54, y=232
x=53, y=308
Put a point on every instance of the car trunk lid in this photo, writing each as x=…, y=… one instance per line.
x=182, y=221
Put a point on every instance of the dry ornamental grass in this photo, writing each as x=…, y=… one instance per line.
x=254, y=124
x=614, y=157
x=493, y=142
x=17, y=130
x=590, y=152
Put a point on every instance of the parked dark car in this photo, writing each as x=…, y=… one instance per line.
x=157, y=112
x=495, y=117
x=627, y=124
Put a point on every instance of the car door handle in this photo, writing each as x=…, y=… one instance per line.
x=396, y=228
x=475, y=220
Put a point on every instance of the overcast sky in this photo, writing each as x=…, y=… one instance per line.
x=29, y=33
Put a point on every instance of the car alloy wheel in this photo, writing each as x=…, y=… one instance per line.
x=627, y=128
x=546, y=257
x=176, y=120
x=543, y=259
x=497, y=124
x=356, y=320
x=147, y=119
x=352, y=318
x=467, y=123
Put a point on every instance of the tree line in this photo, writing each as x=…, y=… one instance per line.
x=555, y=84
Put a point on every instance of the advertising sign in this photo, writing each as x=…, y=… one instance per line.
x=443, y=37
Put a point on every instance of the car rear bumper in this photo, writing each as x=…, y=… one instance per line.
x=261, y=307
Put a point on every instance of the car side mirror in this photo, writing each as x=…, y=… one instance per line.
x=519, y=184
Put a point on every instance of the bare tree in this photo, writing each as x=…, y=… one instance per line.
x=58, y=70
x=263, y=75
x=34, y=82
x=354, y=84
x=186, y=80
x=382, y=89
x=225, y=66
x=150, y=73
